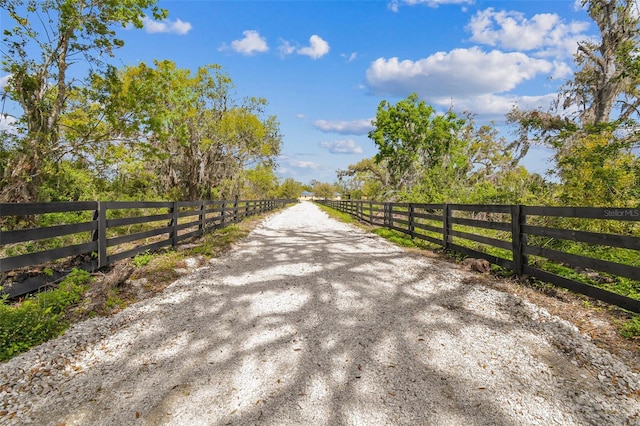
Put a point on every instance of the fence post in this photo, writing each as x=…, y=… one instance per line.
x=203, y=217
x=386, y=215
x=370, y=212
x=235, y=210
x=518, y=239
x=411, y=221
x=446, y=226
x=223, y=213
x=100, y=235
x=174, y=223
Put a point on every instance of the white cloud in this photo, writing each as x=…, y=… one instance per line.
x=492, y=106
x=346, y=146
x=351, y=57
x=461, y=72
x=250, y=44
x=317, y=48
x=166, y=26
x=291, y=162
x=7, y=123
x=354, y=127
x=285, y=48
x=394, y=5
x=304, y=164
x=4, y=80
x=545, y=33
x=561, y=70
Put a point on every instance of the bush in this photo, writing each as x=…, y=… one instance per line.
x=39, y=318
x=631, y=328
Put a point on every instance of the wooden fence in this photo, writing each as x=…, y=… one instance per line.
x=514, y=243
x=105, y=232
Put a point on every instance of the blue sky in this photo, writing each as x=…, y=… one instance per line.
x=324, y=66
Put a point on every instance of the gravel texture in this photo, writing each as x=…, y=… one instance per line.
x=311, y=321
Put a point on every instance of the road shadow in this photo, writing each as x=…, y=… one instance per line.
x=321, y=323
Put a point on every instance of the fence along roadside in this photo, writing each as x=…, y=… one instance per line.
x=105, y=231
x=516, y=245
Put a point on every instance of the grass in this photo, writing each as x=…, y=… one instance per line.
x=403, y=239
x=40, y=317
x=338, y=215
x=631, y=328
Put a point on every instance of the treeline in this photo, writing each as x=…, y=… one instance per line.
x=592, y=132
x=149, y=131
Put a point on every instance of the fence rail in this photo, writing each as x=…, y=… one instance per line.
x=516, y=244
x=109, y=231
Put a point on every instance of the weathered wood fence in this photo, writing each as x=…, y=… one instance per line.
x=506, y=228
x=109, y=231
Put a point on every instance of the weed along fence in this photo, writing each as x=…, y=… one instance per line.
x=95, y=234
x=593, y=251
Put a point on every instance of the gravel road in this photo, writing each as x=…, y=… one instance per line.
x=309, y=321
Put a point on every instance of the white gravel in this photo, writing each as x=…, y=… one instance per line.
x=311, y=321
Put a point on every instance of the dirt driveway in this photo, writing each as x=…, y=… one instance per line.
x=311, y=321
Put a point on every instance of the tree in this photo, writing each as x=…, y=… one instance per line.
x=609, y=71
x=189, y=130
x=47, y=39
x=290, y=188
x=411, y=139
x=593, y=124
x=367, y=179
x=323, y=190
x=260, y=182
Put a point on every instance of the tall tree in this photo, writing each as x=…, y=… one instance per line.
x=323, y=190
x=366, y=179
x=47, y=38
x=595, y=118
x=260, y=182
x=189, y=129
x=420, y=148
x=609, y=70
x=411, y=137
x=290, y=188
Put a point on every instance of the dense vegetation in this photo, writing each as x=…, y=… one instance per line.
x=40, y=318
x=151, y=131
x=592, y=132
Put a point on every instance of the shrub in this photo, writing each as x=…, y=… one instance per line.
x=38, y=318
x=631, y=328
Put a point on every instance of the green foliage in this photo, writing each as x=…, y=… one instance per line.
x=323, y=190
x=395, y=237
x=366, y=180
x=599, y=170
x=631, y=328
x=39, y=318
x=138, y=133
x=260, y=182
x=142, y=259
x=39, y=83
x=290, y=189
x=412, y=138
x=198, y=140
x=343, y=217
